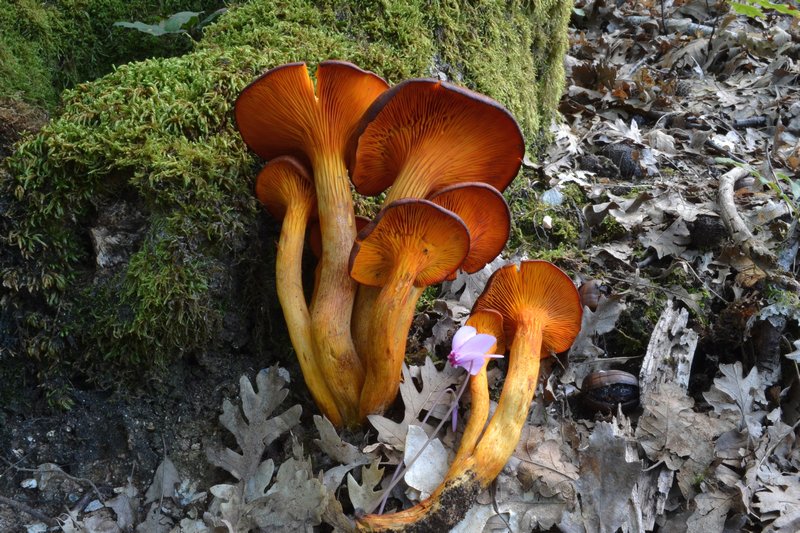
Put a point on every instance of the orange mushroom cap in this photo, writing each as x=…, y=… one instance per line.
x=414, y=232
x=279, y=113
x=535, y=288
x=490, y=322
x=282, y=181
x=427, y=134
x=485, y=212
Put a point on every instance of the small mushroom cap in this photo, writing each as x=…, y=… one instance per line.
x=279, y=113
x=448, y=133
x=491, y=322
x=485, y=212
x=283, y=181
x=429, y=243
x=539, y=289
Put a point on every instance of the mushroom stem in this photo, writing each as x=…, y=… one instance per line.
x=362, y=318
x=289, y=286
x=473, y=470
x=478, y=414
x=392, y=313
x=334, y=295
x=502, y=434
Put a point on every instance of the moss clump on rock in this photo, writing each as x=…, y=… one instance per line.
x=47, y=46
x=130, y=230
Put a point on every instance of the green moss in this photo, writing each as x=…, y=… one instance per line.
x=528, y=233
x=165, y=288
x=48, y=46
x=510, y=51
x=159, y=135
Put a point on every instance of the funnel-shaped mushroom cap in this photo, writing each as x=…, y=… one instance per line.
x=490, y=322
x=440, y=134
x=537, y=289
x=485, y=212
x=279, y=114
x=428, y=241
x=283, y=181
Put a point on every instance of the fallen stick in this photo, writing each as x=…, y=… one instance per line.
x=19, y=506
x=736, y=226
x=750, y=245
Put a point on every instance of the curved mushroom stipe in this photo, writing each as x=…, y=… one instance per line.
x=485, y=212
x=411, y=244
x=541, y=312
x=423, y=135
x=491, y=322
x=286, y=190
x=544, y=311
x=280, y=114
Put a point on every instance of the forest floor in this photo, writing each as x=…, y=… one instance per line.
x=675, y=171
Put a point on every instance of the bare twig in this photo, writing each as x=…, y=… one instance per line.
x=744, y=238
x=736, y=226
x=750, y=122
x=27, y=509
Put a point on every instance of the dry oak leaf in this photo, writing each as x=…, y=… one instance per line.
x=545, y=469
x=238, y=507
x=364, y=496
x=710, y=512
x=428, y=397
x=670, y=431
x=740, y=396
x=607, y=480
x=781, y=500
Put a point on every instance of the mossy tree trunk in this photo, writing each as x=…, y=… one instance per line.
x=130, y=232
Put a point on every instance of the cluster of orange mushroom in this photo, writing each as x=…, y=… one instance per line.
x=442, y=155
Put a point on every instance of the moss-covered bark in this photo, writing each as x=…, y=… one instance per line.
x=157, y=138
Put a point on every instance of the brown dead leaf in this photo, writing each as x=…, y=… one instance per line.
x=548, y=472
x=739, y=397
x=606, y=480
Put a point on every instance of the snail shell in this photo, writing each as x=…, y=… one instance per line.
x=604, y=389
x=590, y=293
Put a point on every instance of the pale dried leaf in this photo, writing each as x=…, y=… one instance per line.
x=606, y=480
x=237, y=506
x=740, y=395
x=523, y=510
x=332, y=445
x=670, y=241
x=429, y=396
x=295, y=502
x=125, y=508
x=364, y=496
x=670, y=431
x=548, y=471
x=428, y=470
x=597, y=322
x=710, y=511
x=165, y=479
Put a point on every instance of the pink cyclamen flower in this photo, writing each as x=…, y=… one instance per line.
x=470, y=349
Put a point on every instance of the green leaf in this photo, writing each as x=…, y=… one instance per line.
x=180, y=22
x=211, y=18
x=152, y=29
x=795, y=184
x=747, y=10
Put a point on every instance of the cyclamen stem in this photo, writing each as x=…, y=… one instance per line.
x=400, y=469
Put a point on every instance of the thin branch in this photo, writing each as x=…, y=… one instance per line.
x=21, y=507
